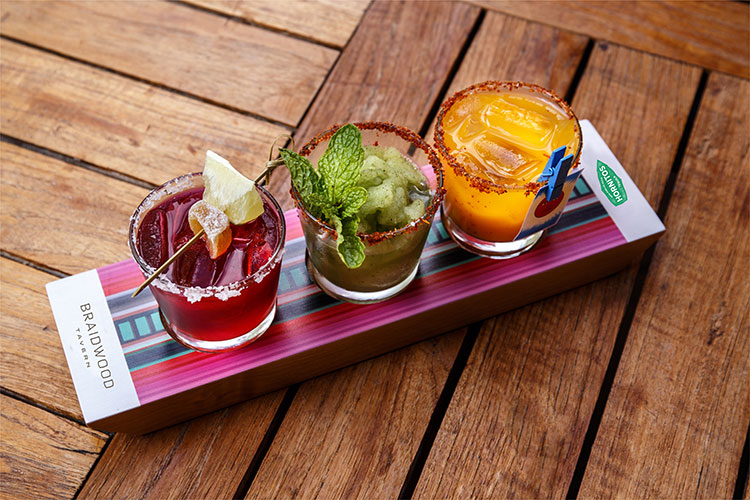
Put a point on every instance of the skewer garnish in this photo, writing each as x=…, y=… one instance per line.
x=236, y=215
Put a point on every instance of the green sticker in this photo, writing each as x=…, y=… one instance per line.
x=611, y=184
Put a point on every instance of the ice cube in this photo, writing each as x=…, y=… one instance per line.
x=469, y=105
x=499, y=156
x=525, y=125
x=470, y=128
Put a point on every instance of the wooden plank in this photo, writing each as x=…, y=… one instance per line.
x=78, y=221
x=394, y=78
x=363, y=425
x=30, y=349
x=679, y=431
x=330, y=22
x=517, y=419
x=530, y=52
x=204, y=458
x=714, y=35
x=63, y=216
x=225, y=61
x=353, y=433
x=119, y=124
x=43, y=455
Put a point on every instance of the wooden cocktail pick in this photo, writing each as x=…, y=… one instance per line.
x=166, y=264
x=263, y=177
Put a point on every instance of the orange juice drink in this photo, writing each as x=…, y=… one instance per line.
x=494, y=140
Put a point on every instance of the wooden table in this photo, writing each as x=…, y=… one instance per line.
x=637, y=385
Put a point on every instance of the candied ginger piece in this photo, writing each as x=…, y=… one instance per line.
x=215, y=223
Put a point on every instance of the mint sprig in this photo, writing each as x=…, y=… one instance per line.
x=331, y=192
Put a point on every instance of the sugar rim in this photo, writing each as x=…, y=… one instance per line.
x=492, y=86
x=196, y=293
x=408, y=136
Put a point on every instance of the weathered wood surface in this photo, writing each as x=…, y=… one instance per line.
x=528, y=52
x=43, y=455
x=204, y=458
x=328, y=21
x=714, y=35
x=77, y=220
x=366, y=422
x=676, y=418
x=120, y=124
x=512, y=49
x=32, y=362
x=393, y=76
x=516, y=423
x=207, y=55
x=353, y=433
x=517, y=418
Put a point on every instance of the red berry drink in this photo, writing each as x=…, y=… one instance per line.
x=209, y=304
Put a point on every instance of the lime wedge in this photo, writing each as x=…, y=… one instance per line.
x=230, y=191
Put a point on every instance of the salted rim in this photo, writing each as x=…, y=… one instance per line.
x=408, y=136
x=178, y=185
x=491, y=86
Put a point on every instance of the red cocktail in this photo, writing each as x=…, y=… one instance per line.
x=209, y=304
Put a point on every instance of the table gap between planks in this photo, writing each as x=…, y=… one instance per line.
x=631, y=386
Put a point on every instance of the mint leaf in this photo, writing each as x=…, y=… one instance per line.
x=350, y=248
x=340, y=164
x=352, y=199
x=307, y=181
x=331, y=193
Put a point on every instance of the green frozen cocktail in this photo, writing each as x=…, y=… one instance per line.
x=367, y=209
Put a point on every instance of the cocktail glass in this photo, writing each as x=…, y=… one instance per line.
x=212, y=318
x=482, y=213
x=391, y=257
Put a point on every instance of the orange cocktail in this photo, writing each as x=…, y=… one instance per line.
x=495, y=139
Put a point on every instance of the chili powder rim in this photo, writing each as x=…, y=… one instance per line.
x=486, y=185
x=407, y=135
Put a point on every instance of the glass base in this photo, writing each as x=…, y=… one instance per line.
x=217, y=345
x=489, y=249
x=340, y=293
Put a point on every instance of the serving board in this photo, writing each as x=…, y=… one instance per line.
x=135, y=378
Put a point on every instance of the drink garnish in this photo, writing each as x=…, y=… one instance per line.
x=215, y=223
x=230, y=191
x=331, y=193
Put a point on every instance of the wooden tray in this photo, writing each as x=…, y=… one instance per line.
x=135, y=378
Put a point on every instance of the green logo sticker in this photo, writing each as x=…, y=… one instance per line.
x=611, y=184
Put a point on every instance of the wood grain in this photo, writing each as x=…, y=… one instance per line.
x=119, y=124
x=43, y=455
x=679, y=431
x=354, y=433
x=204, y=458
x=392, y=69
x=714, y=35
x=242, y=66
x=328, y=21
x=30, y=349
x=63, y=216
x=529, y=52
x=517, y=419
